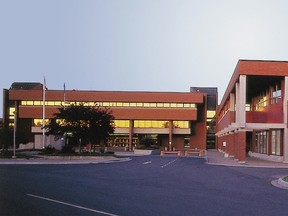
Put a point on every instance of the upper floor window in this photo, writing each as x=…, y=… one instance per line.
x=276, y=94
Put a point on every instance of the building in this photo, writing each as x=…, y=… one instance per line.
x=176, y=120
x=211, y=104
x=252, y=116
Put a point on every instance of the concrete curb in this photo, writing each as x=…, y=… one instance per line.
x=62, y=161
x=280, y=183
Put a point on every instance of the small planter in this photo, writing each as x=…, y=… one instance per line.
x=146, y=152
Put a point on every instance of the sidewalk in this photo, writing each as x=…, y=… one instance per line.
x=215, y=157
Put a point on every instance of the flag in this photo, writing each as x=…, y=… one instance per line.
x=44, y=84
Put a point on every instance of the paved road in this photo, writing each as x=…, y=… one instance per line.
x=147, y=186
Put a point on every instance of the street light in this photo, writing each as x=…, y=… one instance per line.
x=14, y=135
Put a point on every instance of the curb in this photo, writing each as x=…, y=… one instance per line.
x=280, y=183
x=62, y=162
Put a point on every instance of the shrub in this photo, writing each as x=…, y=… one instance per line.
x=67, y=149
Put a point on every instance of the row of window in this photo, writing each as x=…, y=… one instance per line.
x=268, y=143
x=111, y=104
x=137, y=123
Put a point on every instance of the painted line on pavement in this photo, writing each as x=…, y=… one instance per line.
x=167, y=164
x=72, y=205
x=147, y=162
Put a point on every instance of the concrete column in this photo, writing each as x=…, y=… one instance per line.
x=232, y=102
x=241, y=101
x=285, y=120
x=131, y=126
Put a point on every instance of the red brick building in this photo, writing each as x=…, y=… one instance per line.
x=176, y=120
x=252, y=117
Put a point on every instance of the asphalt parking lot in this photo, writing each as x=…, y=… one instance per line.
x=150, y=185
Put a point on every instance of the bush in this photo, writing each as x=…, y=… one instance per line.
x=49, y=150
x=67, y=149
x=6, y=153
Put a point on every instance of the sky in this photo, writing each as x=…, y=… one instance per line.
x=137, y=45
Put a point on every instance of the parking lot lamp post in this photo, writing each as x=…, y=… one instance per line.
x=14, y=135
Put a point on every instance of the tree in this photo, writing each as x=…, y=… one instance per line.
x=90, y=124
x=6, y=137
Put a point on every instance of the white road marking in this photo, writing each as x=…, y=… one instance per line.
x=168, y=163
x=147, y=162
x=72, y=205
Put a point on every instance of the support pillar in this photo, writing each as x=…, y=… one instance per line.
x=285, y=120
x=241, y=101
x=131, y=126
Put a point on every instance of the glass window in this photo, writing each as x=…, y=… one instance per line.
x=181, y=124
x=39, y=122
x=30, y=103
x=186, y=142
x=211, y=114
x=261, y=142
x=37, y=103
x=276, y=142
x=50, y=103
x=121, y=123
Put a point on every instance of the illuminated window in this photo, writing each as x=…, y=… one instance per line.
x=39, y=122
x=211, y=114
x=181, y=124
x=50, y=103
x=11, y=112
x=122, y=123
x=37, y=103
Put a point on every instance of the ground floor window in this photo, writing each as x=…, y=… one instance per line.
x=261, y=142
x=269, y=142
x=276, y=137
x=186, y=142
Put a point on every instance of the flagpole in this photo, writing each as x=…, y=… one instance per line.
x=44, y=117
x=64, y=96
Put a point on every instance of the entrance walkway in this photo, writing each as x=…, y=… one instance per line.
x=215, y=157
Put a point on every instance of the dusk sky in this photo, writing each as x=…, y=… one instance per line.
x=137, y=45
